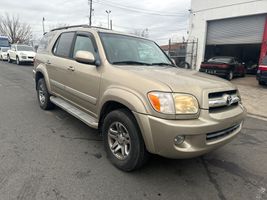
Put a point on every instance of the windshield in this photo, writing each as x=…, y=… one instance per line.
x=4, y=49
x=24, y=48
x=4, y=42
x=121, y=49
x=220, y=60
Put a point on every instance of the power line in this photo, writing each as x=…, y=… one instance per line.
x=224, y=6
x=138, y=10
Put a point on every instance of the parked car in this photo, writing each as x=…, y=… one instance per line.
x=223, y=66
x=262, y=72
x=251, y=67
x=3, y=53
x=126, y=87
x=21, y=54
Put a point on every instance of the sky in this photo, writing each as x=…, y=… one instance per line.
x=164, y=19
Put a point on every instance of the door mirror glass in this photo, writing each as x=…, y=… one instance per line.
x=85, y=57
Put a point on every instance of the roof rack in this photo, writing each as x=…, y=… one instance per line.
x=76, y=26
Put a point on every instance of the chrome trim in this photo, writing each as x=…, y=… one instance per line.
x=225, y=100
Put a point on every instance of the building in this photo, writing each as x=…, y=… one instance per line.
x=229, y=28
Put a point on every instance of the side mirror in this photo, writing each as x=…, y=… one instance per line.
x=85, y=57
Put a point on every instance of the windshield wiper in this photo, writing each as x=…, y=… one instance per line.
x=162, y=64
x=130, y=62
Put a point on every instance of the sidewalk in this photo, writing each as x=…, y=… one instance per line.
x=254, y=96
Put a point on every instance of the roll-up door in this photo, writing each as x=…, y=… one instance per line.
x=242, y=30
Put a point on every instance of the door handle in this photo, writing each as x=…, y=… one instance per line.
x=70, y=68
x=48, y=62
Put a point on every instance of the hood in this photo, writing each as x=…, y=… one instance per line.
x=184, y=81
x=28, y=53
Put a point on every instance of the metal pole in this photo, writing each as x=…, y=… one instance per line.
x=108, y=12
x=43, y=25
x=90, y=2
x=111, y=24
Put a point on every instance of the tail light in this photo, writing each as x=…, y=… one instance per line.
x=263, y=68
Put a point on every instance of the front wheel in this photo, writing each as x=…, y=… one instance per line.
x=230, y=75
x=261, y=83
x=43, y=95
x=123, y=141
x=18, y=61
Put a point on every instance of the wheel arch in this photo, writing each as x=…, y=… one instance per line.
x=42, y=73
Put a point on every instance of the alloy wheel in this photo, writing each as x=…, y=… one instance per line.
x=119, y=140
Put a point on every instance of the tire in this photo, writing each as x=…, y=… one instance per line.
x=1, y=58
x=17, y=61
x=116, y=124
x=261, y=83
x=43, y=95
x=230, y=75
x=9, y=59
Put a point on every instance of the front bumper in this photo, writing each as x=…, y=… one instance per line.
x=159, y=133
x=26, y=59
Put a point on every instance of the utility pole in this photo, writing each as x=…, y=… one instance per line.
x=90, y=2
x=108, y=12
x=43, y=25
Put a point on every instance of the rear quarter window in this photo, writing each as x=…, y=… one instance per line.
x=46, y=40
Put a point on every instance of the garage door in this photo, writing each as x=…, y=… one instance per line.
x=243, y=30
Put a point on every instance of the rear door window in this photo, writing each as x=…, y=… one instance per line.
x=63, y=45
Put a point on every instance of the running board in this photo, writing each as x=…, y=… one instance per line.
x=79, y=114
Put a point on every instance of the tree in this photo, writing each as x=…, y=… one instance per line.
x=141, y=33
x=14, y=29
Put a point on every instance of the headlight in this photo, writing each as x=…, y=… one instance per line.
x=162, y=102
x=185, y=104
x=173, y=103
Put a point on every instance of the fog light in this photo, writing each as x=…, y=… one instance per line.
x=179, y=139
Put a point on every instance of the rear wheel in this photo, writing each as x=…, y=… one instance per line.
x=43, y=95
x=9, y=59
x=123, y=141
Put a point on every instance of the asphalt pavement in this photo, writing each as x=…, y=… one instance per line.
x=50, y=155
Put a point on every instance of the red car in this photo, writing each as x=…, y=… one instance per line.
x=223, y=66
x=262, y=72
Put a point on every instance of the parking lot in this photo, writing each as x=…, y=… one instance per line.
x=51, y=155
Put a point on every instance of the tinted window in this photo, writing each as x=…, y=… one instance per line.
x=45, y=41
x=264, y=61
x=63, y=46
x=83, y=43
x=4, y=42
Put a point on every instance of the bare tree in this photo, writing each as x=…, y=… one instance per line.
x=14, y=29
x=141, y=33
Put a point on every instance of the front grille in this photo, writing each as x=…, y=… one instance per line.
x=222, y=133
x=221, y=100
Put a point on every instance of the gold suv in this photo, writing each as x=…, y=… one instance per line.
x=130, y=90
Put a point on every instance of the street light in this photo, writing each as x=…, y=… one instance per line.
x=108, y=12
